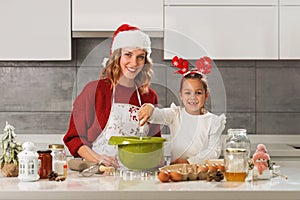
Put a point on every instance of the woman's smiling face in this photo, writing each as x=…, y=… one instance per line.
x=193, y=96
x=132, y=61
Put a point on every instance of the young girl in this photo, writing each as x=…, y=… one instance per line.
x=195, y=133
x=109, y=106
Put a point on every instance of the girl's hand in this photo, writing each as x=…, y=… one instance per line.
x=145, y=113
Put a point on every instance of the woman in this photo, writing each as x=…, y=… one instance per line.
x=109, y=106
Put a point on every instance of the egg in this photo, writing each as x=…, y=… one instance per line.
x=163, y=176
x=202, y=168
x=221, y=167
x=175, y=176
x=207, y=165
x=212, y=167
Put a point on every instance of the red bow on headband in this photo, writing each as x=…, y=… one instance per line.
x=204, y=65
x=182, y=64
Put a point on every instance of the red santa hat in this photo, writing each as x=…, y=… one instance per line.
x=130, y=36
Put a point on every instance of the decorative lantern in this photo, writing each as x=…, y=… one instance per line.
x=28, y=163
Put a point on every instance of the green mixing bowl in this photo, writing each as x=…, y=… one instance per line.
x=139, y=153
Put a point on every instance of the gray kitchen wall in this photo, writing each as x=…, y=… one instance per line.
x=263, y=96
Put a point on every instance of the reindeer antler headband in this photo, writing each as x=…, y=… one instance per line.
x=203, y=65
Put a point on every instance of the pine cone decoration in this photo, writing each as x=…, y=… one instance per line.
x=52, y=176
x=217, y=176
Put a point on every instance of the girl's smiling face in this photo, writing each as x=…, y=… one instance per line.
x=193, y=95
x=132, y=62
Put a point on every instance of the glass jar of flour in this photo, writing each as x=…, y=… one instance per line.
x=59, y=159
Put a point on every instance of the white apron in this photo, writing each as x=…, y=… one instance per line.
x=122, y=121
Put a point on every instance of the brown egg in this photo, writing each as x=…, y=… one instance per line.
x=175, y=176
x=202, y=168
x=207, y=165
x=163, y=176
x=212, y=167
x=221, y=167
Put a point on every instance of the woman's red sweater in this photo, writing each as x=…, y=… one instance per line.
x=91, y=110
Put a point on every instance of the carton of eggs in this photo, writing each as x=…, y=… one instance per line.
x=188, y=172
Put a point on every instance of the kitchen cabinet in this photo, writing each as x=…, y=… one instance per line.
x=95, y=15
x=289, y=29
x=35, y=30
x=222, y=29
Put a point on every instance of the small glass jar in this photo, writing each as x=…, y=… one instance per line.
x=45, y=159
x=236, y=155
x=59, y=164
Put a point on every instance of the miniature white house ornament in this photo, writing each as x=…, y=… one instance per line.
x=28, y=163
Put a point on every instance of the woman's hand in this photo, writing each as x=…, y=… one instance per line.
x=145, y=113
x=108, y=160
x=88, y=154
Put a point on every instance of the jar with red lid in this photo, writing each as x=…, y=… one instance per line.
x=45, y=159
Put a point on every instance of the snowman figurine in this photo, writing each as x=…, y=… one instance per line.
x=261, y=161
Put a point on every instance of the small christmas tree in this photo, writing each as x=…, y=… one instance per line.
x=10, y=149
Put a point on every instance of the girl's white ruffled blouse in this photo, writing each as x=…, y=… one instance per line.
x=192, y=137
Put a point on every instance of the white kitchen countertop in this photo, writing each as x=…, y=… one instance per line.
x=116, y=187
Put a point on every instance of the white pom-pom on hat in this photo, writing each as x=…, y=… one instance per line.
x=104, y=62
x=130, y=36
